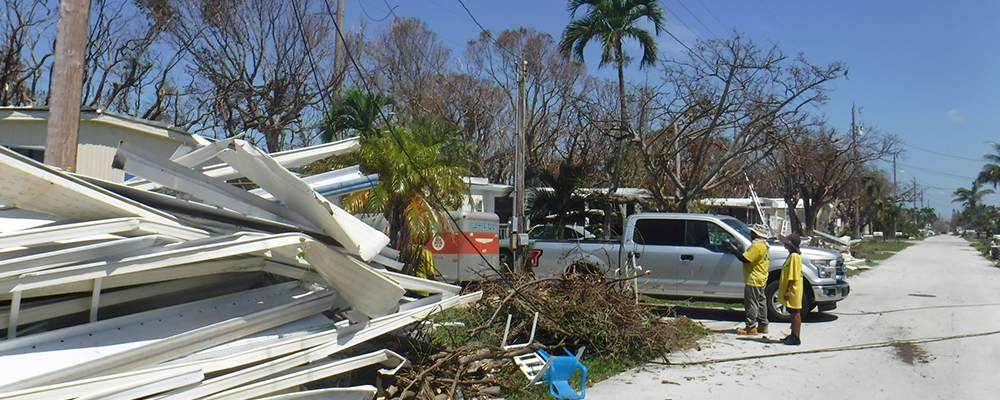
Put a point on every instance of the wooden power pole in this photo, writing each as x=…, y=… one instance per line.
x=339, y=67
x=66, y=86
x=518, y=224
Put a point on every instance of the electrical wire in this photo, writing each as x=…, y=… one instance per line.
x=698, y=19
x=945, y=155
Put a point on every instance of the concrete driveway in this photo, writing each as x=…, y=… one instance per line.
x=924, y=324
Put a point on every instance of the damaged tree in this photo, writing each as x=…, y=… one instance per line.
x=729, y=106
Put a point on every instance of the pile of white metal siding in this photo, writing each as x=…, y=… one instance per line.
x=208, y=292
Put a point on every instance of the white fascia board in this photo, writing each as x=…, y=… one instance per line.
x=419, y=284
x=363, y=392
x=365, y=288
x=318, y=345
x=238, y=245
x=113, y=226
x=139, y=162
x=292, y=158
x=356, y=236
x=288, y=159
x=24, y=183
x=277, y=309
x=87, y=387
x=148, y=387
x=32, y=314
x=314, y=371
x=82, y=254
x=225, y=266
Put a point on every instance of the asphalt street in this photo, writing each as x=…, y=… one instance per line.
x=923, y=324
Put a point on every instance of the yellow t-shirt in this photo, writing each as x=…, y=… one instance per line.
x=791, y=271
x=755, y=273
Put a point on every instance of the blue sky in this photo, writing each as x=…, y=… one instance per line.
x=924, y=71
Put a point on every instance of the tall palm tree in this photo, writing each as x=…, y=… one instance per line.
x=611, y=22
x=991, y=171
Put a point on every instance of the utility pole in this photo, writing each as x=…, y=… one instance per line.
x=894, y=185
x=857, y=178
x=518, y=223
x=66, y=86
x=339, y=67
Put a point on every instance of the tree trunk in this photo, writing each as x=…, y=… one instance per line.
x=624, y=131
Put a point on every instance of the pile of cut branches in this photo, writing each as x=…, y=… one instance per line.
x=466, y=359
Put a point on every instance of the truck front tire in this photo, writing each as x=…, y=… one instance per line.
x=777, y=311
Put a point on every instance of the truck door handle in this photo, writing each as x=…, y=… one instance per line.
x=687, y=257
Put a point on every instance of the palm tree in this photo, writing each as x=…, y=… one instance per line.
x=612, y=22
x=970, y=198
x=562, y=203
x=356, y=112
x=411, y=184
x=991, y=171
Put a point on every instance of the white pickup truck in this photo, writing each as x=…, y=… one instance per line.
x=684, y=257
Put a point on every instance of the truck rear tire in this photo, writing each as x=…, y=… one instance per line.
x=506, y=260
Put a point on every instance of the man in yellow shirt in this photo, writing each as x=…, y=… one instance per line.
x=790, y=286
x=756, y=262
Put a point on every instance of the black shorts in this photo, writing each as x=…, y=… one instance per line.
x=793, y=311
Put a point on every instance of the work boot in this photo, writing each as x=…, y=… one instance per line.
x=747, y=331
x=792, y=340
x=762, y=329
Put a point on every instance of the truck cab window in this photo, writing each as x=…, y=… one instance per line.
x=705, y=234
x=661, y=232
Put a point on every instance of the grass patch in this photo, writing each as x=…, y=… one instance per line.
x=873, y=252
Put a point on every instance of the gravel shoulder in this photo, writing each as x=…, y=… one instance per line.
x=922, y=324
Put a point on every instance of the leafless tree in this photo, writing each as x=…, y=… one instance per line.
x=819, y=166
x=259, y=66
x=558, y=103
x=128, y=64
x=25, y=49
x=728, y=106
x=407, y=60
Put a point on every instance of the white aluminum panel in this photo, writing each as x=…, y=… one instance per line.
x=126, y=343
x=27, y=184
x=356, y=236
x=364, y=392
x=314, y=371
x=114, y=226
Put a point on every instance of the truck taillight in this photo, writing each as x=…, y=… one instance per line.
x=535, y=255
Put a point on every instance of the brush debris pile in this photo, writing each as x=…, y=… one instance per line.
x=471, y=360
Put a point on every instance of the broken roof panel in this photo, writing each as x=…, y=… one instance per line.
x=356, y=236
x=29, y=185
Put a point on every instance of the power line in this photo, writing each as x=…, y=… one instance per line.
x=678, y=19
x=712, y=14
x=387, y=14
x=698, y=19
x=778, y=23
x=944, y=155
x=944, y=174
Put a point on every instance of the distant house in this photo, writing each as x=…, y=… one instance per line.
x=23, y=129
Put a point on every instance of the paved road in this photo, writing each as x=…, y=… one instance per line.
x=939, y=295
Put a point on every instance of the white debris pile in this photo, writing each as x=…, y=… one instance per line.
x=118, y=291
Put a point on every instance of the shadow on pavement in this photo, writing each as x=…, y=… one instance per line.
x=738, y=315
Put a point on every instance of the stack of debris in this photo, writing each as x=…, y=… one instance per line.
x=182, y=286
